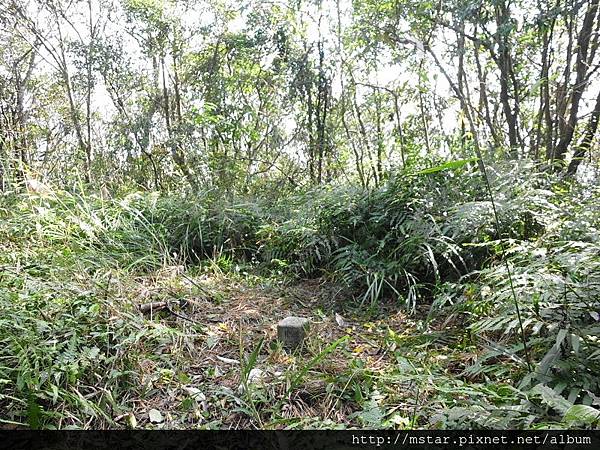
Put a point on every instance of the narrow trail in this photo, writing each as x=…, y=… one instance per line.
x=222, y=329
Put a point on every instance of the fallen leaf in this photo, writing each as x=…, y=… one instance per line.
x=255, y=375
x=132, y=421
x=228, y=360
x=358, y=349
x=195, y=393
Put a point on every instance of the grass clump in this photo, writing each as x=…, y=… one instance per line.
x=76, y=352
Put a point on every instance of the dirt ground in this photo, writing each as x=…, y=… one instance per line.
x=215, y=382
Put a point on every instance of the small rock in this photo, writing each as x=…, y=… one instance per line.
x=340, y=320
x=255, y=376
x=195, y=393
x=291, y=331
x=155, y=416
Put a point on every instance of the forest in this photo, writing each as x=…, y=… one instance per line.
x=416, y=180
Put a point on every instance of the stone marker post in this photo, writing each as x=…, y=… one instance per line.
x=291, y=331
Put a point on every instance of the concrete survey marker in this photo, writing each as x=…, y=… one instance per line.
x=291, y=331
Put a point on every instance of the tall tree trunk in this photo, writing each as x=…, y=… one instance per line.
x=545, y=93
x=464, y=106
x=73, y=110
x=20, y=127
x=88, y=99
x=581, y=70
x=400, y=138
x=586, y=142
x=176, y=153
x=363, y=130
x=311, y=133
x=504, y=62
x=422, y=108
x=484, y=104
x=541, y=134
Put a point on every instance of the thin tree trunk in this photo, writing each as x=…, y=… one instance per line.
x=88, y=99
x=362, y=128
x=399, y=129
x=581, y=69
x=586, y=142
x=483, y=99
x=545, y=102
x=465, y=107
x=71, y=99
x=422, y=109
x=178, y=157
x=505, y=66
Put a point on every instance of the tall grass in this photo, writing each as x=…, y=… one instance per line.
x=70, y=337
x=69, y=355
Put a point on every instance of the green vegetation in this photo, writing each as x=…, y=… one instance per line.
x=417, y=178
x=77, y=353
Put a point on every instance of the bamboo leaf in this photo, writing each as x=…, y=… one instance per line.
x=582, y=414
x=450, y=165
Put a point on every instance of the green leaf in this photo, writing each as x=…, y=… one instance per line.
x=250, y=362
x=449, y=165
x=582, y=414
x=314, y=361
x=34, y=413
x=552, y=399
x=548, y=361
x=575, y=343
x=131, y=421
x=371, y=415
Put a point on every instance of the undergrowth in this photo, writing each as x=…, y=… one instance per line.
x=72, y=342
